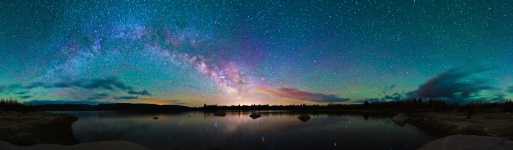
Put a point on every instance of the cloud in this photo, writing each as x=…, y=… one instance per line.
x=34, y=85
x=109, y=84
x=46, y=102
x=302, y=95
x=126, y=97
x=454, y=84
x=98, y=96
x=509, y=89
x=25, y=96
x=394, y=97
x=10, y=88
x=22, y=92
x=389, y=88
x=157, y=101
x=142, y=93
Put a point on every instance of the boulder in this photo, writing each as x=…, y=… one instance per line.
x=469, y=142
x=29, y=128
x=400, y=119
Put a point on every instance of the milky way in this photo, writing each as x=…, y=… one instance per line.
x=227, y=77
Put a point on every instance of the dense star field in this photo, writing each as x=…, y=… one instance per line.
x=195, y=52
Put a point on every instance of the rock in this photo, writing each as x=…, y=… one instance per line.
x=255, y=115
x=28, y=128
x=450, y=124
x=219, y=114
x=304, y=117
x=469, y=142
x=400, y=119
x=471, y=129
x=107, y=145
x=24, y=138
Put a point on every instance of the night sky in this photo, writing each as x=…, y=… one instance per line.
x=195, y=52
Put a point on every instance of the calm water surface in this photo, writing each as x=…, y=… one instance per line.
x=202, y=131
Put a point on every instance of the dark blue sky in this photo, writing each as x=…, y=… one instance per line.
x=241, y=52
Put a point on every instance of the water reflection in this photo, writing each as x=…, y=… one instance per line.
x=205, y=131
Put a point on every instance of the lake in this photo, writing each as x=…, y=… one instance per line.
x=272, y=131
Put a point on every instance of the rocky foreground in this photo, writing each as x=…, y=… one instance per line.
x=481, y=131
x=485, y=124
x=106, y=145
x=469, y=142
x=47, y=131
x=28, y=128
